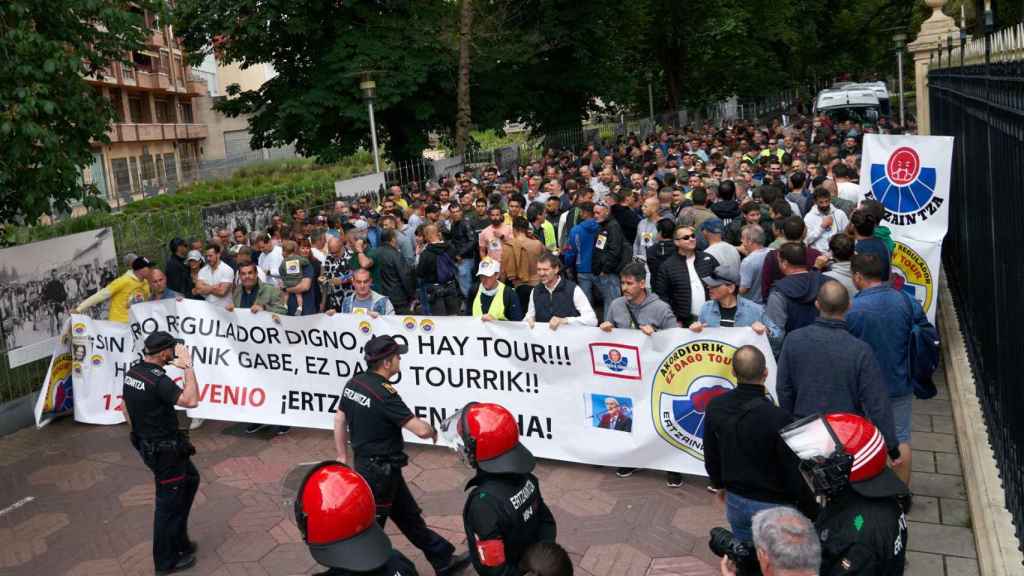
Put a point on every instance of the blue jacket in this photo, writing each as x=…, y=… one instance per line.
x=581, y=245
x=884, y=318
x=823, y=368
x=747, y=312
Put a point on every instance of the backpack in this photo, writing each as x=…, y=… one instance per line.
x=923, y=353
x=446, y=268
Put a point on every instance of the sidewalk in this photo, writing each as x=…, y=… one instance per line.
x=92, y=506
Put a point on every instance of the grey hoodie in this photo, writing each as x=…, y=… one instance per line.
x=841, y=273
x=653, y=311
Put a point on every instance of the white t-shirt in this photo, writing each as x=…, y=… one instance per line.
x=696, y=287
x=270, y=263
x=849, y=191
x=222, y=274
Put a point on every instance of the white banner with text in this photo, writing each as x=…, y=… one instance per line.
x=582, y=395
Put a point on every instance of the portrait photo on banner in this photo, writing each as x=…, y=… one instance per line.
x=609, y=412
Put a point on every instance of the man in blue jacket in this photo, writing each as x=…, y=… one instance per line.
x=580, y=251
x=884, y=318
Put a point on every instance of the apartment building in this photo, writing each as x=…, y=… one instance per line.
x=156, y=140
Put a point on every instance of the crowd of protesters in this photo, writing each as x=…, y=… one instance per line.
x=743, y=226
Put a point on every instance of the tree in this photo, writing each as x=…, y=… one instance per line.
x=320, y=49
x=463, y=116
x=49, y=114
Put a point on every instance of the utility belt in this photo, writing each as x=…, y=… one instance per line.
x=179, y=446
x=382, y=465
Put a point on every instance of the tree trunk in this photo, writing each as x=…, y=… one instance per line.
x=463, y=115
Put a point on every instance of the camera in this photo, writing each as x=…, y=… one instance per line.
x=742, y=554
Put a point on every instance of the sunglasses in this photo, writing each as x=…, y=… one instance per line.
x=687, y=237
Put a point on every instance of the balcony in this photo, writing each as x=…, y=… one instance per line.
x=157, y=39
x=198, y=87
x=124, y=132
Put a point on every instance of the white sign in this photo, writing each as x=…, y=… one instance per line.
x=370, y=184
x=581, y=395
x=909, y=175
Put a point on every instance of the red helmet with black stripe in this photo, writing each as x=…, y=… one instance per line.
x=487, y=436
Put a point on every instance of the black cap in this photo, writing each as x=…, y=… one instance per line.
x=159, y=341
x=141, y=262
x=381, y=347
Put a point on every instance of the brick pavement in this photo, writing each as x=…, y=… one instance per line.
x=92, y=508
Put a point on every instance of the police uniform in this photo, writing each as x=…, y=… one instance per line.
x=397, y=565
x=149, y=398
x=376, y=414
x=861, y=535
x=503, y=516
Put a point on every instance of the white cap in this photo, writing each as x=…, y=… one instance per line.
x=488, y=267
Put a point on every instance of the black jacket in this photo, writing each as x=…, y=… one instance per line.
x=426, y=270
x=673, y=283
x=610, y=253
x=726, y=210
x=503, y=516
x=862, y=535
x=396, y=277
x=628, y=220
x=178, y=277
x=743, y=451
x=656, y=254
x=463, y=240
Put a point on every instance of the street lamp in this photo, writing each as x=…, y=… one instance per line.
x=900, y=39
x=369, y=90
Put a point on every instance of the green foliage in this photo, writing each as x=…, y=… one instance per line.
x=319, y=50
x=48, y=113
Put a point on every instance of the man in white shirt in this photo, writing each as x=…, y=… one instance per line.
x=215, y=279
x=270, y=259
x=557, y=301
x=848, y=191
x=823, y=221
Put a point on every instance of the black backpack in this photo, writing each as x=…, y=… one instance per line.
x=446, y=268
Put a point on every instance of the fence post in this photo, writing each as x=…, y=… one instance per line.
x=933, y=30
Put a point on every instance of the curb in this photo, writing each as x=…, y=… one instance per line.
x=994, y=533
x=17, y=414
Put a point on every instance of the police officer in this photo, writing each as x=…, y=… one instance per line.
x=334, y=510
x=862, y=527
x=374, y=415
x=149, y=399
x=504, y=512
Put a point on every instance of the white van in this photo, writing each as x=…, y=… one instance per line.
x=848, y=103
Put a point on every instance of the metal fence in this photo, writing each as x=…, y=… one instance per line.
x=977, y=96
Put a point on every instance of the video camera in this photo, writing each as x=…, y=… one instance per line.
x=742, y=554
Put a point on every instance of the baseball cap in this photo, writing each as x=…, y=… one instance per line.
x=721, y=274
x=488, y=267
x=160, y=341
x=381, y=347
x=713, y=225
x=141, y=262
x=194, y=255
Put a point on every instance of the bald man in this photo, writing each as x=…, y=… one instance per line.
x=760, y=471
x=158, y=289
x=823, y=368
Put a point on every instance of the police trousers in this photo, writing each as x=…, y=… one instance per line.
x=177, y=481
x=396, y=502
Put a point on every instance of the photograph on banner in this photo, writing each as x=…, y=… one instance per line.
x=609, y=412
x=40, y=283
x=292, y=372
x=910, y=176
x=916, y=267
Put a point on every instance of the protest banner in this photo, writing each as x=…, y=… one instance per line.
x=915, y=266
x=909, y=175
x=55, y=397
x=253, y=369
x=41, y=280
